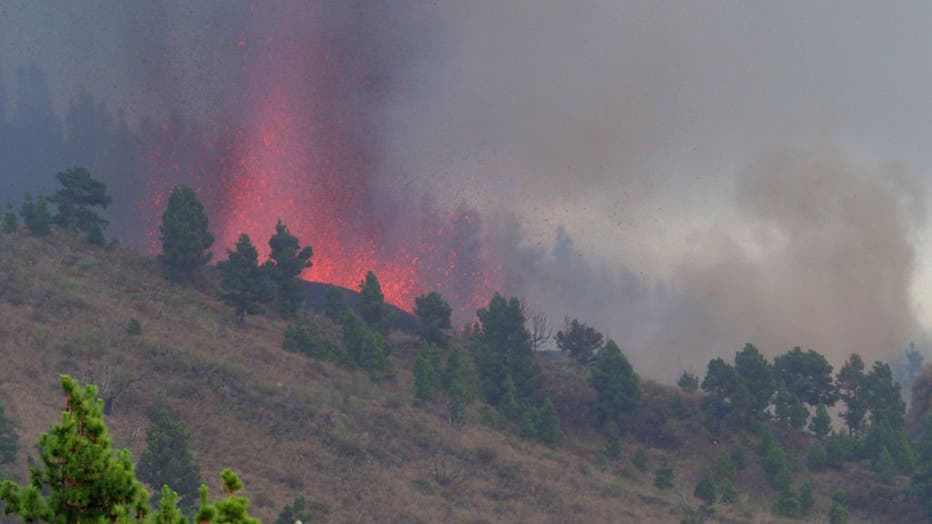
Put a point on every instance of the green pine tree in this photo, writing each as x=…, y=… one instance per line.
x=548, y=425
x=334, y=304
x=167, y=459
x=10, y=223
x=663, y=478
x=434, y=313
x=286, y=263
x=806, y=500
x=460, y=382
x=427, y=373
x=705, y=489
x=9, y=440
x=295, y=512
x=615, y=384
x=821, y=423
x=365, y=347
x=243, y=282
x=372, y=307
x=36, y=215
x=79, y=193
x=612, y=441
x=184, y=235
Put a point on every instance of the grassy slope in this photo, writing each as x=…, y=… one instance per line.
x=293, y=426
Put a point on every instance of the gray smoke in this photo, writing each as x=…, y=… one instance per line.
x=611, y=157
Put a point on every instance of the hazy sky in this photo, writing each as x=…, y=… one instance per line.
x=656, y=132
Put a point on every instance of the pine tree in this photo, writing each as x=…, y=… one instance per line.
x=821, y=423
x=79, y=193
x=231, y=510
x=806, y=500
x=757, y=380
x=580, y=341
x=640, y=460
x=243, y=282
x=297, y=511
x=184, y=235
x=286, y=263
x=850, y=386
x=434, y=313
x=460, y=382
x=372, y=307
x=167, y=459
x=612, y=441
x=705, y=489
x=663, y=478
x=838, y=514
x=722, y=386
x=502, y=353
x=79, y=476
x=37, y=216
x=615, y=384
x=9, y=441
x=922, y=478
x=427, y=373
x=548, y=425
x=365, y=347
x=334, y=304
x=688, y=382
x=10, y=223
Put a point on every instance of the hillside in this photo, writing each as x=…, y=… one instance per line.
x=361, y=451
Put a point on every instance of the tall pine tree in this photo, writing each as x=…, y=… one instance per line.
x=286, y=262
x=184, y=235
x=167, y=459
x=243, y=282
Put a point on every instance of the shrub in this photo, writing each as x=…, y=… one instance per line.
x=705, y=489
x=304, y=336
x=663, y=478
x=728, y=493
x=613, y=441
x=787, y=503
x=640, y=460
x=806, y=500
x=134, y=327
x=427, y=373
x=817, y=458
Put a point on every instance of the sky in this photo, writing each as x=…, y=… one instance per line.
x=766, y=161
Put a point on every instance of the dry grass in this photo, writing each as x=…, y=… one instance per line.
x=289, y=425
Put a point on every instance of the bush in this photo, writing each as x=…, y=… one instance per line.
x=787, y=503
x=840, y=448
x=612, y=448
x=663, y=479
x=10, y=223
x=427, y=373
x=806, y=500
x=728, y=493
x=167, y=459
x=304, y=336
x=737, y=457
x=134, y=327
x=705, y=489
x=640, y=460
x=9, y=441
x=817, y=458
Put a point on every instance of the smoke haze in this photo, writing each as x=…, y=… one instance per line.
x=660, y=171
